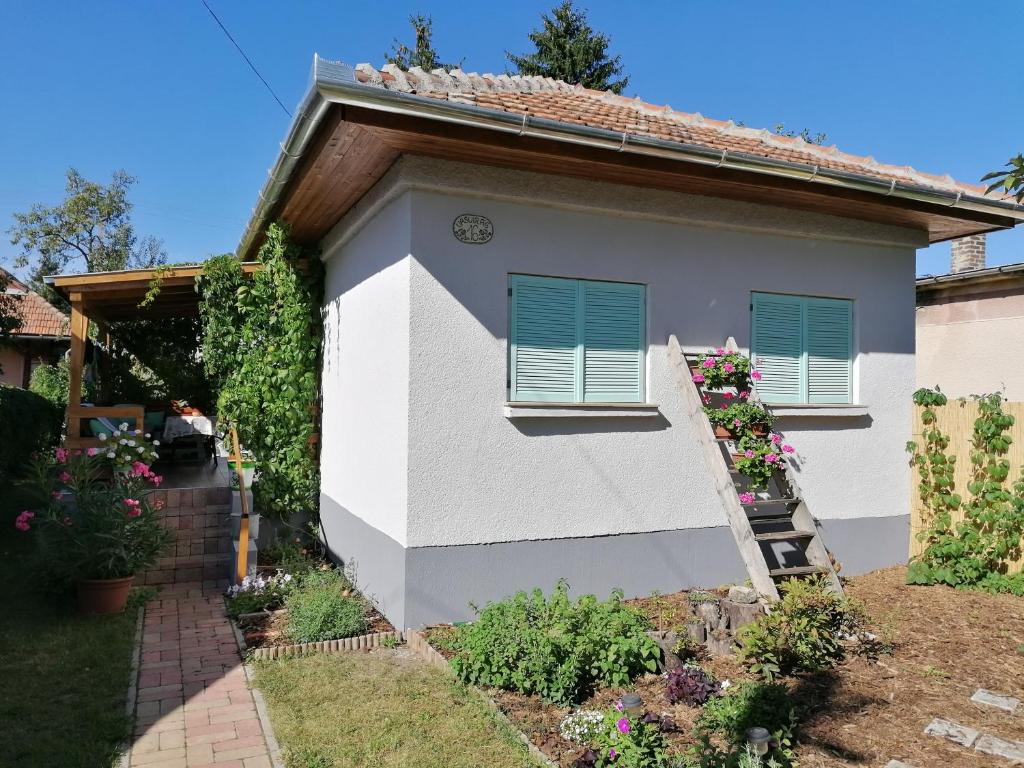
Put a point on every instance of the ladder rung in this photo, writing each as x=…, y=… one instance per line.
x=784, y=535
x=800, y=570
x=770, y=519
x=770, y=502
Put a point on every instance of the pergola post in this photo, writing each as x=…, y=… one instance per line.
x=79, y=335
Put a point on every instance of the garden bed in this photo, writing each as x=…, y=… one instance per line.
x=945, y=645
x=268, y=629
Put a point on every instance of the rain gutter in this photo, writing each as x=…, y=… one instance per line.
x=336, y=83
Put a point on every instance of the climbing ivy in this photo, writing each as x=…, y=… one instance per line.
x=974, y=552
x=261, y=349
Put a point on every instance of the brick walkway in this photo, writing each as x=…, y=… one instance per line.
x=193, y=706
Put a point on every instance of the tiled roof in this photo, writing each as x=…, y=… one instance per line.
x=38, y=316
x=557, y=100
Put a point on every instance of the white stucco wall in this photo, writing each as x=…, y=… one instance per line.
x=364, y=456
x=475, y=476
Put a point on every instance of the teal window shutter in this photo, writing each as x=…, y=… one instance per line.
x=614, y=318
x=544, y=339
x=829, y=351
x=803, y=348
x=576, y=341
x=777, y=347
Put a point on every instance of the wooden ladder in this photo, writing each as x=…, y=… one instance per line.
x=764, y=523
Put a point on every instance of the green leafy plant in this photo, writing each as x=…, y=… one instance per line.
x=805, y=631
x=323, y=608
x=261, y=347
x=33, y=424
x=627, y=741
x=555, y=647
x=726, y=719
x=974, y=552
x=91, y=527
x=687, y=648
x=259, y=593
x=760, y=458
x=718, y=369
x=52, y=382
x=741, y=418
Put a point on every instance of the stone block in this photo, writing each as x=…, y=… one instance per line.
x=958, y=734
x=997, y=700
x=1008, y=750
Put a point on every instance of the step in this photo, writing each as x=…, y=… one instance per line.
x=783, y=535
x=770, y=519
x=800, y=570
x=770, y=503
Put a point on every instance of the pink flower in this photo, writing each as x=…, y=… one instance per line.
x=62, y=455
x=743, y=395
x=747, y=497
x=156, y=479
x=21, y=521
x=787, y=448
x=728, y=395
x=56, y=494
x=776, y=438
x=729, y=367
x=755, y=375
x=720, y=351
x=771, y=458
x=707, y=399
x=68, y=522
x=709, y=363
x=737, y=422
x=618, y=705
x=723, y=407
x=92, y=451
x=65, y=477
x=612, y=754
x=698, y=378
x=134, y=507
x=748, y=453
x=623, y=725
x=139, y=469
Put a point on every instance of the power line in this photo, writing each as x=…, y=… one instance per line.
x=247, y=59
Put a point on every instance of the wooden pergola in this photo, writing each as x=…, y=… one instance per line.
x=106, y=297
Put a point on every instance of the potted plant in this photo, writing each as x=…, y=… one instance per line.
x=97, y=533
x=719, y=368
x=759, y=458
x=739, y=419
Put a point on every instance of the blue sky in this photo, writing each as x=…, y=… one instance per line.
x=156, y=88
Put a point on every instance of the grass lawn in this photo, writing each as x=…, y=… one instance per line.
x=383, y=709
x=63, y=679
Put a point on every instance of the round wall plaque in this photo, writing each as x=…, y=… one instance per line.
x=472, y=229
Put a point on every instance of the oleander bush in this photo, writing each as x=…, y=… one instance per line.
x=555, y=647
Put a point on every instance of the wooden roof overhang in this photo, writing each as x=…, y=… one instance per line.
x=335, y=154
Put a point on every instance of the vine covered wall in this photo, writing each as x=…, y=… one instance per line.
x=261, y=341
x=968, y=515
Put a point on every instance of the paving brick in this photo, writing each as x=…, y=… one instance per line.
x=257, y=762
x=159, y=757
x=998, y=700
x=257, y=750
x=232, y=744
x=946, y=729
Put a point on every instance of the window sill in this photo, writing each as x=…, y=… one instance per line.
x=814, y=409
x=578, y=410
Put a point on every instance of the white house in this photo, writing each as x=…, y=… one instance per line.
x=506, y=259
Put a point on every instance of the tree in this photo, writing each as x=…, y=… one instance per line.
x=10, y=312
x=91, y=231
x=1011, y=181
x=569, y=49
x=422, y=54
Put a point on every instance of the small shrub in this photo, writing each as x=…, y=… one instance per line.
x=320, y=609
x=582, y=726
x=690, y=685
x=726, y=719
x=625, y=741
x=33, y=426
x=258, y=593
x=804, y=632
x=688, y=649
x=555, y=647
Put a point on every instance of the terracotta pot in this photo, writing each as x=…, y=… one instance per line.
x=723, y=432
x=99, y=597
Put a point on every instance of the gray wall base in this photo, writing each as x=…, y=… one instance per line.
x=427, y=585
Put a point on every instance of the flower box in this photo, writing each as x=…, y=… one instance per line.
x=723, y=433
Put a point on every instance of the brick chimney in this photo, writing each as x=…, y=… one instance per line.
x=967, y=253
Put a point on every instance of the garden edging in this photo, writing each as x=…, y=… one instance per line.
x=133, y=688
x=273, y=746
x=419, y=645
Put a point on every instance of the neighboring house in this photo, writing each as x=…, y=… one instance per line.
x=970, y=325
x=506, y=260
x=41, y=338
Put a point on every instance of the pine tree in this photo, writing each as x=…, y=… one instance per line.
x=422, y=54
x=569, y=49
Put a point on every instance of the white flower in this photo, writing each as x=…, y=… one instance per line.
x=156, y=442
x=725, y=684
x=131, y=443
x=122, y=441
x=147, y=435
x=138, y=431
x=110, y=456
x=140, y=449
x=103, y=435
x=123, y=426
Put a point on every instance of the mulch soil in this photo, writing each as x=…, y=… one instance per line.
x=945, y=645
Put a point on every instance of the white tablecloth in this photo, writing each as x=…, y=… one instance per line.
x=182, y=426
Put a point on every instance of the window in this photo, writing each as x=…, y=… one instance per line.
x=576, y=341
x=803, y=348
